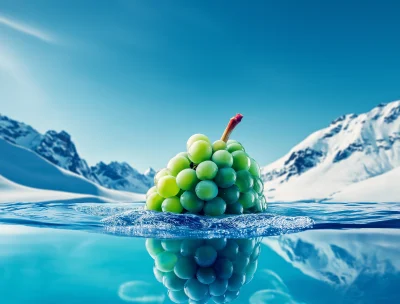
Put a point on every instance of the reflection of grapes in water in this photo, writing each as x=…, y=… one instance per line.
x=209, y=179
x=195, y=271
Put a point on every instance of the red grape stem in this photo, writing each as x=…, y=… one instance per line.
x=231, y=125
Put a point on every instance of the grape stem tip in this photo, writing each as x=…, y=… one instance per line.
x=233, y=122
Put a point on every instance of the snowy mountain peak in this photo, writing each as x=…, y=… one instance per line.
x=351, y=149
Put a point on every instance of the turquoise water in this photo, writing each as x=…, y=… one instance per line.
x=298, y=253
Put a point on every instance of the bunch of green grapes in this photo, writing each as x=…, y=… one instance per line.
x=195, y=271
x=210, y=179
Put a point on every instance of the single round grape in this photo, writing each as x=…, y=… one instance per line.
x=251, y=268
x=215, y=207
x=236, y=281
x=205, y=256
x=239, y=266
x=172, y=204
x=195, y=138
x=235, y=208
x=256, y=252
x=200, y=151
x=240, y=161
x=222, y=158
x=254, y=168
x=184, y=154
x=247, y=199
x=218, y=244
x=167, y=186
x=230, y=296
x=187, y=179
x=159, y=275
x=225, y=177
x=235, y=147
x=231, y=141
x=154, y=247
x=177, y=296
x=171, y=245
x=206, y=275
x=230, y=251
x=189, y=247
x=154, y=202
x=172, y=282
x=191, y=202
x=151, y=191
x=244, y=181
x=159, y=174
x=206, y=190
x=185, y=268
x=177, y=164
x=218, y=145
x=165, y=261
x=195, y=290
x=246, y=246
x=258, y=185
x=223, y=268
x=218, y=287
x=206, y=170
x=229, y=195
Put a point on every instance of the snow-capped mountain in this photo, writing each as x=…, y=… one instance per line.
x=59, y=149
x=121, y=176
x=353, y=148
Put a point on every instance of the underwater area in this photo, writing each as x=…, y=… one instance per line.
x=304, y=252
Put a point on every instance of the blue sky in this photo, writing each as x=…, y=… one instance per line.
x=132, y=80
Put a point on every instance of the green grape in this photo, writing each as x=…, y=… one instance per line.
x=218, y=287
x=225, y=177
x=231, y=141
x=178, y=296
x=154, y=247
x=195, y=290
x=244, y=181
x=241, y=262
x=215, y=207
x=191, y=202
x=159, y=275
x=251, y=270
x=259, y=207
x=254, y=168
x=218, y=145
x=189, y=247
x=258, y=185
x=154, y=202
x=247, y=199
x=235, y=208
x=160, y=174
x=222, y=158
x=187, y=179
x=195, y=138
x=223, y=268
x=230, y=296
x=172, y=204
x=200, y=151
x=230, y=195
x=184, y=154
x=235, y=147
x=165, y=261
x=240, y=161
x=206, y=190
x=218, y=244
x=206, y=170
x=185, y=268
x=177, y=164
x=205, y=256
x=256, y=252
x=171, y=245
x=151, y=191
x=236, y=281
x=172, y=282
x=230, y=251
x=167, y=186
x=206, y=275
x=246, y=246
